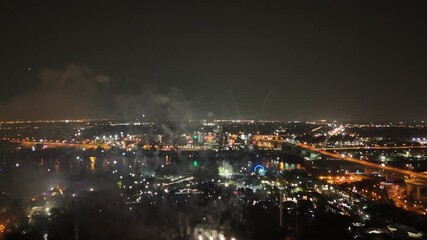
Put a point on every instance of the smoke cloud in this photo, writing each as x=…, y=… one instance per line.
x=71, y=92
x=77, y=92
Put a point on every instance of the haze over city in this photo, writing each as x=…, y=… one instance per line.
x=184, y=60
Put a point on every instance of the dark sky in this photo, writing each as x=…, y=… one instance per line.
x=171, y=60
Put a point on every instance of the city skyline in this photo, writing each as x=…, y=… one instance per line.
x=213, y=120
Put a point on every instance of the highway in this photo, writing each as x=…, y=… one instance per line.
x=397, y=196
x=64, y=145
x=374, y=148
x=364, y=163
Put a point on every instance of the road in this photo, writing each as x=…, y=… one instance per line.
x=364, y=163
x=375, y=148
x=64, y=145
x=396, y=194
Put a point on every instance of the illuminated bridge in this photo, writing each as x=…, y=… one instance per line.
x=400, y=171
x=323, y=151
x=374, y=148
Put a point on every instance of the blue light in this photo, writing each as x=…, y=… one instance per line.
x=259, y=169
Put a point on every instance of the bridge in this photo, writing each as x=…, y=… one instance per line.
x=415, y=188
x=409, y=173
x=374, y=148
x=28, y=144
x=324, y=151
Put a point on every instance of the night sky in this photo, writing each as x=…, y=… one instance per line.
x=180, y=60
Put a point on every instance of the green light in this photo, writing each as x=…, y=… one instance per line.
x=195, y=163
